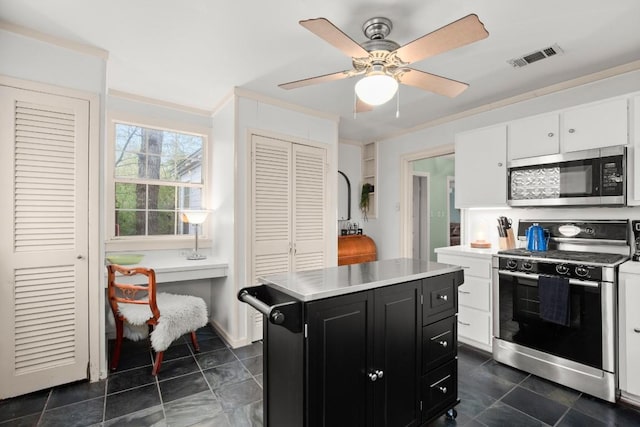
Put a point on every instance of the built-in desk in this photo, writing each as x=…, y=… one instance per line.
x=173, y=266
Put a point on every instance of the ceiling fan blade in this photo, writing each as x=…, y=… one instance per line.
x=324, y=29
x=458, y=33
x=314, y=80
x=433, y=83
x=362, y=107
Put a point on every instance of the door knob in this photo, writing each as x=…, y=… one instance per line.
x=373, y=376
x=443, y=390
x=443, y=297
x=380, y=374
x=443, y=343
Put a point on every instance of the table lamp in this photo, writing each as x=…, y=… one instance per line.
x=195, y=217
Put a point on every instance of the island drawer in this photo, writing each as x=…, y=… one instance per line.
x=439, y=343
x=439, y=389
x=440, y=296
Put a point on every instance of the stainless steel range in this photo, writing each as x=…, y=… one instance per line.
x=556, y=310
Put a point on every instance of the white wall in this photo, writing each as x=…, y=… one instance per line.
x=386, y=229
x=30, y=59
x=224, y=314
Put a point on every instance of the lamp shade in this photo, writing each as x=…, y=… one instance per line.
x=376, y=88
x=194, y=216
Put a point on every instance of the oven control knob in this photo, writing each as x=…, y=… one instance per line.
x=512, y=264
x=582, y=272
x=562, y=269
x=526, y=265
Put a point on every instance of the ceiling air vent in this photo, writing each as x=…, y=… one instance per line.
x=535, y=56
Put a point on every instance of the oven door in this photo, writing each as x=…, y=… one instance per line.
x=589, y=338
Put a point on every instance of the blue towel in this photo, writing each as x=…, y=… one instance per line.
x=553, y=293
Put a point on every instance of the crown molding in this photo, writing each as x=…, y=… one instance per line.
x=350, y=142
x=58, y=41
x=245, y=93
x=139, y=98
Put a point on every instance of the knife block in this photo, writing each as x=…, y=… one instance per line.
x=508, y=242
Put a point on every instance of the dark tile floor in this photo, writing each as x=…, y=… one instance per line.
x=223, y=387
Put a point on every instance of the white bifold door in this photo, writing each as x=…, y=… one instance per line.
x=43, y=250
x=288, y=204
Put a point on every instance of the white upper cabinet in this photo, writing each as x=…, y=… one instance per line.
x=534, y=136
x=602, y=124
x=481, y=177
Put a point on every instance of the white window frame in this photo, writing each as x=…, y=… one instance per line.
x=115, y=243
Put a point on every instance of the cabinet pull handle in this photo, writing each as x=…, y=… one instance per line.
x=465, y=324
x=464, y=292
x=572, y=130
x=443, y=390
x=380, y=374
x=443, y=297
x=373, y=376
x=443, y=343
x=550, y=134
x=636, y=330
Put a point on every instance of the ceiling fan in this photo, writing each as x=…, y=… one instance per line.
x=384, y=63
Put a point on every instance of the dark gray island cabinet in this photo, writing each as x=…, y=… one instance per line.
x=370, y=344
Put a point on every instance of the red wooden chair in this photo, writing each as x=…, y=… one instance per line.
x=168, y=316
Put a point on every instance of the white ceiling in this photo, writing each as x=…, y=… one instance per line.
x=193, y=52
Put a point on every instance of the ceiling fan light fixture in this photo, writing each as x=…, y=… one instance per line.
x=376, y=88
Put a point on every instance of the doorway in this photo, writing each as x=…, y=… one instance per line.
x=428, y=216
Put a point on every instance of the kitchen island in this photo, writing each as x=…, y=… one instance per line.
x=358, y=345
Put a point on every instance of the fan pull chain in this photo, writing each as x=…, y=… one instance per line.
x=398, y=103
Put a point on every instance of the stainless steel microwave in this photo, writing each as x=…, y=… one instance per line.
x=592, y=177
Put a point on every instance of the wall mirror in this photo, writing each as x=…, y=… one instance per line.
x=344, y=197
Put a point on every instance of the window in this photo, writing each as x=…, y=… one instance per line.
x=156, y=174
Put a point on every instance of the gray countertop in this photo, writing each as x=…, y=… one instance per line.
x=333, y=281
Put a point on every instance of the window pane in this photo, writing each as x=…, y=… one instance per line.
x=130, y=223
x=189, y=198
x=165, y=195
x=161, y=222
x=128, y=138
x=131, y=196
x=127, y=165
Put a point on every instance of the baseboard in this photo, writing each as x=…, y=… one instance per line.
x=222, y=332
x=630, y=399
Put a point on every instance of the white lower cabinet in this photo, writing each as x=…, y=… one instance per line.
x=474, y=295
x=474, y=327
x=629, y=333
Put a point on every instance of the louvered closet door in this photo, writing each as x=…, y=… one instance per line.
x=44, y=227
x=308, y=207
x=271, y=205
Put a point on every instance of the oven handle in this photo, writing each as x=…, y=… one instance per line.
x=587, y=283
